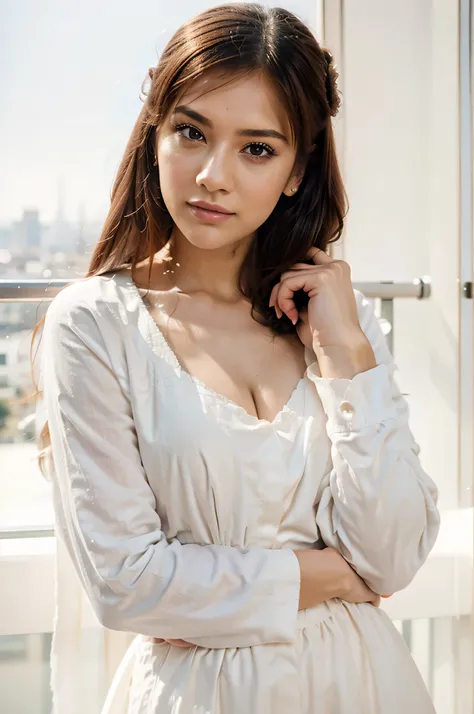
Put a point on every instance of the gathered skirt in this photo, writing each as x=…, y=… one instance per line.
x=346, y=659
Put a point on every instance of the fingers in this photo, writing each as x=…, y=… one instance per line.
x=175, y=643
x=319, y=257
x=297, y=266
x=281, y=297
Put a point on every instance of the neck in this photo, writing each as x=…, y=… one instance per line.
x=214, y=272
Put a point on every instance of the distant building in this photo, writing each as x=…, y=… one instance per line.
x=5, y=237
x=25, y=238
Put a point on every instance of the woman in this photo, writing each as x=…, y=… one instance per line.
x=234, y=474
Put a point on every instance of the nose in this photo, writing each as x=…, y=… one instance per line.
x=216, y=172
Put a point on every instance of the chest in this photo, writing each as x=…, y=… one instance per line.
x=225, y=350
x=220, y=474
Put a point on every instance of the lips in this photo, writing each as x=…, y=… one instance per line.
x=209, y=213
x=211, y=207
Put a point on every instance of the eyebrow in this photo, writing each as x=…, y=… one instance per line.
x=268, y=133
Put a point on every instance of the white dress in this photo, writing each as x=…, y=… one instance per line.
x=181, y=511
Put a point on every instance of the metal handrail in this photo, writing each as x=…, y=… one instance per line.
x=37, y=532
x=46, y=290
x=38, y=290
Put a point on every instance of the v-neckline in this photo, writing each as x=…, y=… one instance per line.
x=175, y=362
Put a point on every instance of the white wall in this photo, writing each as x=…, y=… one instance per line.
x=398, y=134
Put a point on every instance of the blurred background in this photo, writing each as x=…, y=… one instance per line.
x=70, y=79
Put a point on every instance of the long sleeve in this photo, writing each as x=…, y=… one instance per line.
x=135, y=579
x=376, y=506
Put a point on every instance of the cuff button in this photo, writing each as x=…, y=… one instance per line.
x=346, y=409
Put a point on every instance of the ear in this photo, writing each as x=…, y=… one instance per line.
x=293, y=183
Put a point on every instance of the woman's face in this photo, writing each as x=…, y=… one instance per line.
x=227, y=145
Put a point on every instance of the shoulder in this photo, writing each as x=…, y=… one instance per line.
x=90, y=316
x=366, y=312
x=86, y=300
x=365, y=307
x=371, y=325
x=95, y=311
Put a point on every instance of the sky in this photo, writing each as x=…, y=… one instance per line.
x=70, y=79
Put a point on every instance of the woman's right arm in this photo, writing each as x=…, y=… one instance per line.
x=135, y=579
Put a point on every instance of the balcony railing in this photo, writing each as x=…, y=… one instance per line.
x=39, y=290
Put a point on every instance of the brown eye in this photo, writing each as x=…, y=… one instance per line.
x=193, y=133
x=260, y=151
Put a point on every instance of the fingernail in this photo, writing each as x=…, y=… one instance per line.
x=294, y=320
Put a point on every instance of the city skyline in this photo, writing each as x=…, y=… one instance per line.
x=64, y=210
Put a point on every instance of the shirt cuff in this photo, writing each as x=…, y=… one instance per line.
x=273, y=617
x=353, y=404
x=282, y=608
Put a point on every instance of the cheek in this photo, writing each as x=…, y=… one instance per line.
x=262, y=188
x=176, y=167
x=171, y=176
x=269, y=180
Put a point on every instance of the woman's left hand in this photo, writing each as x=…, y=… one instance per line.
x=331, y=318
x=175, y=643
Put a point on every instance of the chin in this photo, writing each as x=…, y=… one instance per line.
x=207, y=237
x=210, y=240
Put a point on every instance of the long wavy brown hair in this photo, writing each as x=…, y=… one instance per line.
x=234, y=39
